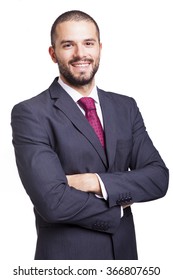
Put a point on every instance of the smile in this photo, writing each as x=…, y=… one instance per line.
x=82, y=64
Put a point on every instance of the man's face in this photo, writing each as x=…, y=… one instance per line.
x=77, y=52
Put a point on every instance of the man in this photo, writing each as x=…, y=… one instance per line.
x=83, y=161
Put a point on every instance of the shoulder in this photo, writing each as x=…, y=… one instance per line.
x=30, y=108
x=117, y=99
x=38, y=102
x=35, y=100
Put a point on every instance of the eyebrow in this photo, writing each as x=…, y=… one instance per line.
x=72, y=41
x=66, y=41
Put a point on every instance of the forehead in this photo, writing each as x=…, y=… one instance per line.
x=76, y=30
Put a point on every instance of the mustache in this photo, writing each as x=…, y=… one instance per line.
x=78, y=59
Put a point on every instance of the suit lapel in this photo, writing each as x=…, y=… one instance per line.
x=66, y=104
x=110, y=126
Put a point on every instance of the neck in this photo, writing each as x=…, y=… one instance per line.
x=83, y=90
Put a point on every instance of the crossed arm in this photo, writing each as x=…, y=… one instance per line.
x=87, y=182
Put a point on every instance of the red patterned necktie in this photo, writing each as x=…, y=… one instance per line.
x=88, y=104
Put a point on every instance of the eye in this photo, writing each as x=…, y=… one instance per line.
x=89, y=43
x=67, y=45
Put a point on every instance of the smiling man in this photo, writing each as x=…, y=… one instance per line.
x=83, y=154
x=76, y=48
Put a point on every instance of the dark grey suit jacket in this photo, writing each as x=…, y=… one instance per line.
x=52, y=138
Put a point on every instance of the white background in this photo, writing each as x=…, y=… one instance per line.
x=137, y=60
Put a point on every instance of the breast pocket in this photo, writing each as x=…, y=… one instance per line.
x=123, y=155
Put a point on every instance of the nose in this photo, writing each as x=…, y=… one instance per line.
x=79, y=51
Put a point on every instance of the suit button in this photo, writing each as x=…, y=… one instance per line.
x=124, y=199
x=101, y=226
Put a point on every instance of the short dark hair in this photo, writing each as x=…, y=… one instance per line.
x=74, y=15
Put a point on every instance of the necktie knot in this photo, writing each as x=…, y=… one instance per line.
x=87, y=103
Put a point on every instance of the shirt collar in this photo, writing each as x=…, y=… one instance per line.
x=75, y=95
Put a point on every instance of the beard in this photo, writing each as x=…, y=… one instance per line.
x=82, y=79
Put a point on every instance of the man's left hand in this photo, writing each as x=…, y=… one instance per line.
x=87, y=182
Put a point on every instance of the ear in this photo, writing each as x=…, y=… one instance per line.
x=52, y=54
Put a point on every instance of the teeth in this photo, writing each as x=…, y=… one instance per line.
x=81, y=65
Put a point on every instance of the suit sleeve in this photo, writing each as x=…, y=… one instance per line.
x=45, y=182
x=146, y=177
